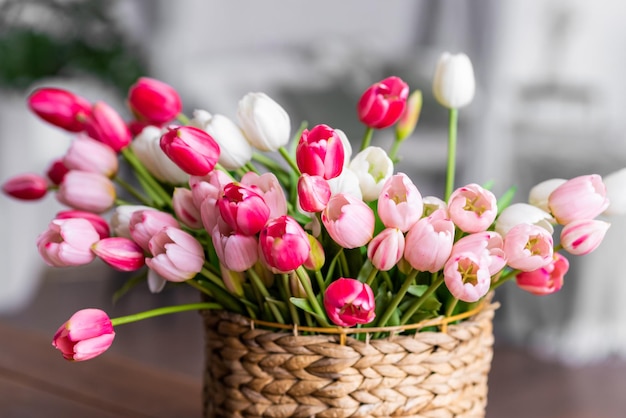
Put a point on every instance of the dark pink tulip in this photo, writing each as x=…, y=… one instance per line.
x=120, y=253
x=284, y=244
x=192, y=149
x=60, y=108
x=545, y=280
x=98, y=222
x=87, y=334
x=107, y=126
x=57, y=171
x=313, y=193
x=243, y=209
x=349, y=302
x=383, y=103
x=86, y=191
x=154, y=101
x=26, y=187
x=320, y=152
x=177, y=256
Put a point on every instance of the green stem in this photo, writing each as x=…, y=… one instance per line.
x=451, y=306
x=182, y=118
x=133, y=192
x=286, y=294
x=416, y=305
x=367, y=138
x=164, y=311
x=503, y=279
x=285, y=154
x=393, y=305
x=320, y=281
x=260, y=286
x=451, y=166
x=345, y=270
x=372, y=276
x=304, y=279
x=393, y=151
x=154, y=188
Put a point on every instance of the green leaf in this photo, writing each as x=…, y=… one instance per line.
x=303, y=304
x=430, y=304
x=506, y=199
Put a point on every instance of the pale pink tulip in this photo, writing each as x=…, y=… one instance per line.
x=320, y=152
x=67, y=242
x=268, y=186
x=313, y=193
x=400, y=203
x=60, y=108
x=120, y=219
x=373, y=167
x=192, y=149
x=467, y=276
x=349, y=221
x=383, y=103
x=386, y=249
x=429, y=242
x=528, y=247
x=144, y=224
x=154, y=101
x=283, y=244
x=87, y=334
x=185, y=209
x=489, y=243
x=545, y=280
x=107, y=126
x=583, y=236
x=237, y=252
x=472, y=208
x=539, y=194
x=349, y=302
x=87, y=154
x=99, y=223
x=91, y=192
x=26, y=187
x=209, y=186
x=582, y=197
x=120, y=253
x=176, y=255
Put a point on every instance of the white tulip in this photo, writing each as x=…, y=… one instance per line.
x=523, y=213
x=264, y=122
x=147, y=148
x=540, y=193
x=235, y=151
x=347, y=182
x=616, y=192
x=373, y=167
x=454, y=84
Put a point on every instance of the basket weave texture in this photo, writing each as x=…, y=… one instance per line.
x=252, y=372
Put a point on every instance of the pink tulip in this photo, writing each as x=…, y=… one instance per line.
x=185, y=209
x=582, y=197
x=488, y=243
x=429, y=242
x=349, y=221
x=99, y=223
x=67, y=242
x=26, y=187
x=383, y=103
x=400, y=203
x=57, y=171
x=144, y=224
x=120, y=253
x=87, y=154
x=472, y=208
x=583, y=236
x=320, y=152
x=545, y=280
x=540, y=193
x=91, y=192
x=386, y=249
x=107, y=126
x=349, y=302
x=237, y=252
x=313, y=193
x=283, y=244
x=120, y=219
x=192, y=149
x=205, y=192
x=466, y=275
x=243, y=209
x=60, y=108
x=153, y=101
x=87, y=334
x=270, y=189
x=176, y=255
x=528, y=247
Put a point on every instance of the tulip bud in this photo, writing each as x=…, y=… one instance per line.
x=98, y=222
x=87, y=334
x=144, y=224
x=349, y=221
x=192, y=149
x=583, y=236
x=545, y=280
x=243, y=209
x=428, y=243
x=176, y=255
x=91, y=192
x=313, y=193
x=26, y=187
x=87, y=154
x=320, y=152
x=120, y=253
x=233, y=280
x=237, y=252
x=67, y=242
x=400, y=203
x=153, y=101
x=407, y=123
x=60, y=108
x=184, y=208
x=454, y=84
x=56, y=171
x=283, y=244
x=582, y=197
x=107, y=126
x=317, y=258
x=373, y=167
x=383, y=103
x=264, y=122
x=147, y=148
x=349, y=302
x=386, y=249
x=538, y=195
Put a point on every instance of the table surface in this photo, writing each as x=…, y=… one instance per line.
x=154, y=367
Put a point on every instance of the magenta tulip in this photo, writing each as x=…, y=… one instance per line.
x=283, y=244
x=528, y=247
x=349, y=302
x=99, y=223
x=154, y=101
x=383, y=103
x=107, y=126
x=545, y=280
x=67, y=242
x=313, y=193
x=243, y=209
x=582, y=197
x=120, y=253
x=60, y=107
x=400, y=203
x=348, y=220
x=320, y=152
x=87, y=334
x=26, y=187
x=583, y=236
x=176, y=255
x=472, y=208
x=429, y=242
x=57, y=171
x=91, y=192
x=192, y=149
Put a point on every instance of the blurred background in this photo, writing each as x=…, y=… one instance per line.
x=550, y=99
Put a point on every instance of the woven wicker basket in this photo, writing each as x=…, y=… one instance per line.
x=256, y=372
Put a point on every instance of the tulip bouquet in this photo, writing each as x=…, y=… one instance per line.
x=292, y=229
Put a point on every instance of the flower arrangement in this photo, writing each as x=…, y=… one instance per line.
x=298, y=229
